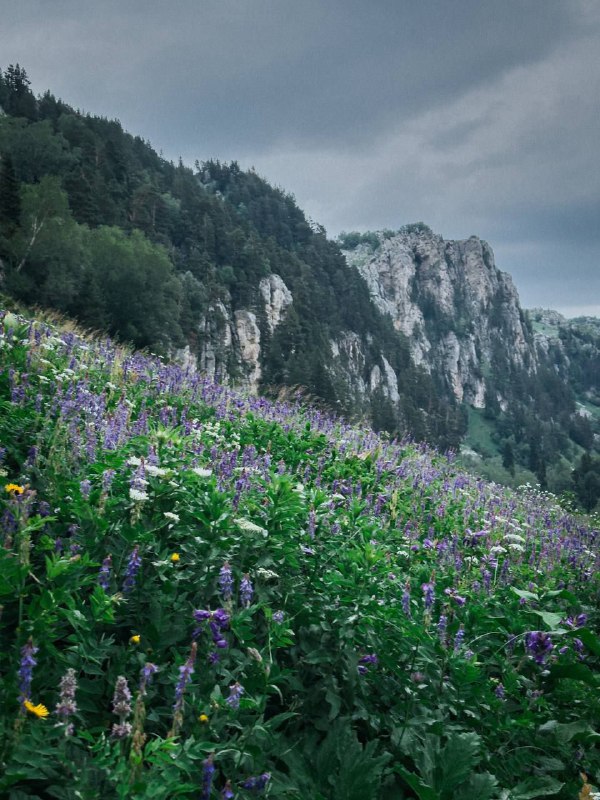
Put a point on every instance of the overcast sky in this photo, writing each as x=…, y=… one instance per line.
x=475, y=116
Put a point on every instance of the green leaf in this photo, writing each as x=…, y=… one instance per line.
x=551, y=619
x=590, y=640
x=524, y=594
x=575, y=672
x=539, y=786
x=422, y=790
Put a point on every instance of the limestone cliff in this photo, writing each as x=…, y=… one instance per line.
x=459, y=312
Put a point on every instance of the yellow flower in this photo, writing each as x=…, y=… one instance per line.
x=135, y=639
x=203, y=719
x=14, y=488
x=39, y=711
x=175, y=557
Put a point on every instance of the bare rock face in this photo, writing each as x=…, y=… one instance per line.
x=277, y=297
x=248, y=335
x=452, y=303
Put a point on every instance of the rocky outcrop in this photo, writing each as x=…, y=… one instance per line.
x=452, y=303
x=277, y=297
x=230, y=339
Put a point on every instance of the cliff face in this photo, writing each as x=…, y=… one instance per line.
x=459, y=312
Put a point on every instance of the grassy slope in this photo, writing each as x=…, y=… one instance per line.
x=382, y=652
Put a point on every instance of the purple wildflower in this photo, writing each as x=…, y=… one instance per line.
x=576, y=622
x=208, y=771
x=363, y=661
x=107, y=479
x=122, y=708
x=246, y=590
x=85, y=487
x=539, y=645
x=428, y=594
x=25, y=673
x=185, y=675
x=104, y=573
x=406, y=599
x=441, y=628
x=66, y=705
x=278, y=617
x=146, y=674
x=227, y=792
x=499, y=691
x=226, y=582
x=459, y=639
x=236, y=690
x=257, y=783
x=133, y=566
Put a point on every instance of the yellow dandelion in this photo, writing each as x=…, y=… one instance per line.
x=14, y=488
x=203, y=719
x=135, y=639
x=175, y=557
x=39, y=711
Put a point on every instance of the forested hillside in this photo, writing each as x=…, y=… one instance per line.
x=218, y=268
x=94, y=223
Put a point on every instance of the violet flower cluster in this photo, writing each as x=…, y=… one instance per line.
x=133, y=566
x=25, y=673
x=122, y=708
x=538, y=644
x=66, y=706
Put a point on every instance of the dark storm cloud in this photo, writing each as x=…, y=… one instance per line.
x=477, y=116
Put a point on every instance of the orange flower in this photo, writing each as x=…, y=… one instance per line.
x=135, y=639
x=175, y=557
x=14, y=488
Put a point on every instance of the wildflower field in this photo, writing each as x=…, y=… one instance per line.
x=207, y=595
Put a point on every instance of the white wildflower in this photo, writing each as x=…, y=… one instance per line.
x=170, y=515
x=137, y=496
x=133, y=461
x=201, y=472
x=266, y=574
x=514, y=537
x=497, y=549
x=151, y=469
x=247, y=525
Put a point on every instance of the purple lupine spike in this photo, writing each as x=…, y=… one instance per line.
x=146, y=674
x=107, y=479
x=278, y=617
x=370, y=659
x=406, y=600
x=539, y=645
x=256, y=783
x=500, y=692
x=208, y=771
x=122, y=708
x=459, y=639
x=441, y=628
x=185, y=675
x=105, y=573
x=133, y=566
x=246, y=590
x=428, y=594
x=66, y=706
x=226, y=581
x=227, y=792
x=236, y=690
x=25, y=672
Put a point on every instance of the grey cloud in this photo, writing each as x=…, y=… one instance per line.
x=475, y=116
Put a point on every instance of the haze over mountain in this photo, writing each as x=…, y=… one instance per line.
x=478, y=117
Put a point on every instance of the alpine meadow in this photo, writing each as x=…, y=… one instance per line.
x=281, y=516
